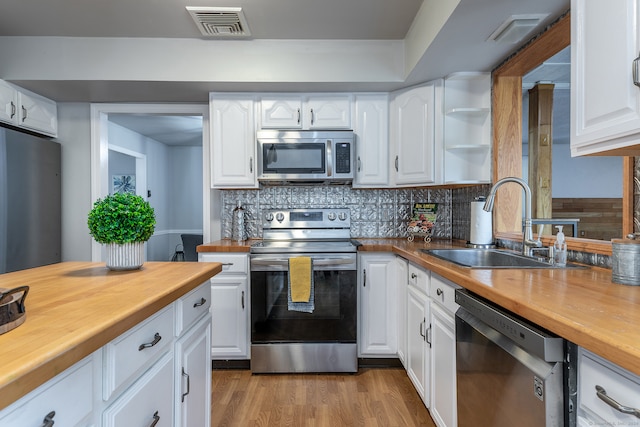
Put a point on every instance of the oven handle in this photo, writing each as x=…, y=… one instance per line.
x=284, y=262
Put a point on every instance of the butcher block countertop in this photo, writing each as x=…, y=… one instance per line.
x=74, y=308
x=581, y=305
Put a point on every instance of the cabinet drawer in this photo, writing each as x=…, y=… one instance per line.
x=192, y=307
x=231, y=263
x=442, y=291
x=149, y=398
x=419, y=278
x=619, y=384
x=69, y=394
x=136, y=349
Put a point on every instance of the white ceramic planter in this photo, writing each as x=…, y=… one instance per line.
x=127, y=256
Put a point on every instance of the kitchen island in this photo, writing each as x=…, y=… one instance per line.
x=581, y=305
x=76, y=308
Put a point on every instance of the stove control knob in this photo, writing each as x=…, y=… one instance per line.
x=280, y=216
x=269, y=216
x=331, y=216
x=342, y=216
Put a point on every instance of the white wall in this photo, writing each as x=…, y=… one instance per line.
x=74, y=135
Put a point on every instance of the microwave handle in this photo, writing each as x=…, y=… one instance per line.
x=329, y=157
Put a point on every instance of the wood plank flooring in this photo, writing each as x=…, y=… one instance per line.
x=372, y=397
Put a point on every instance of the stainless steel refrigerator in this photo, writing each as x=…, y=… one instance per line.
x=30, y=201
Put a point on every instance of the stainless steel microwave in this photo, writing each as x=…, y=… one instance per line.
x=305, y=156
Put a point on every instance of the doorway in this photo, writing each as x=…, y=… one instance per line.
x=176, y=179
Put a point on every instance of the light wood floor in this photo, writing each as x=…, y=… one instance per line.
x=372, y=397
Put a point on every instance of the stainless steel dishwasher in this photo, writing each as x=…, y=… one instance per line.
x=508, y=371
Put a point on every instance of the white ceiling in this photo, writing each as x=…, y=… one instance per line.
x=460, y=45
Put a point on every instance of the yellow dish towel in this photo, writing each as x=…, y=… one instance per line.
x=300, y=278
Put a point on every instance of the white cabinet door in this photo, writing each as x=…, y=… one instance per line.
x=193, y=376
x=328, y=112
x=8, y=103
x=401, y=286
x=605, y=103
x=281, y=112
x=417, y=157
x=372, y=144
x=233, y=144
x=443, y=367
x=148, y=401
x=418, y=351
x=378, y=310
x=230, y=315
x=38, y=113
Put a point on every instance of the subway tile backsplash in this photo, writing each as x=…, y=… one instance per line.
x=374, y=213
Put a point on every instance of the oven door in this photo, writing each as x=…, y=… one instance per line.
x=332, y=321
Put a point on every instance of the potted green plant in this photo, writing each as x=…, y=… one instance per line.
x=123, y=222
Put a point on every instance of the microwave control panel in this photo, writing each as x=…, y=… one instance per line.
x=343, y=157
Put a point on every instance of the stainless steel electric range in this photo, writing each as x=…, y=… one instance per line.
x=284, y=339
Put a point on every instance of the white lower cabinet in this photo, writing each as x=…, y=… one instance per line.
x=599, y=382
x=137, y=379
x=230, y=336
x=418, y=351
x=402, y=277
x=443, y=352
x=377, y=321
x=66, y=400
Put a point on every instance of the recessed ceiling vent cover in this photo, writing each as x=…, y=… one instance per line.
x=220, y=21
x=516, y=27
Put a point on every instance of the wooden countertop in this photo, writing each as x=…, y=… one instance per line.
x=582, y=305
x=74, y=308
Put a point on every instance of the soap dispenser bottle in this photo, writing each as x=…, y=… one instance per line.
x=560, y=248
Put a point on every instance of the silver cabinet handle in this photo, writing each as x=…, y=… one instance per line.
x=156, y=418
x=439, y=291
x=156, y=340
x=396, y=163
x=242, y=300
x=428, y=337
x=636, y=71
x=13, y=109
x=312, y=118
x=251, y=164
x=299, y=116
x=184, y=374
x=200, y=303
x=24, y=114
x=48, y=419
x=422, y=333
x=414, y=275
x=602, y=394
x=359, y=164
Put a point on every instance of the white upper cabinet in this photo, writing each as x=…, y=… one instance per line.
x=371, y=127
x=467, y=128
x=233, y=143
x=605, y=103
x=312, y=111
x=415, y=129
x=22, y=108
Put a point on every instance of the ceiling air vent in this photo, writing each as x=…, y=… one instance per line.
x=516, y=27
x=220, y=21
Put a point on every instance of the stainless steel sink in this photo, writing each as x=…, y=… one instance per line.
x=490, y=258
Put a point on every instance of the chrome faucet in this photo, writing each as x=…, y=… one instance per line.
x=527, y=239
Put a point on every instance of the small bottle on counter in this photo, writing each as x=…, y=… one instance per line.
x=560, y=248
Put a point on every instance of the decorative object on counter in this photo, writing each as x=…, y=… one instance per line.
x=123, y=222
x=626, y=260
x=423, y=219
x=12, y=308
x=559, y=248
x=238, y=230
x=481, y=225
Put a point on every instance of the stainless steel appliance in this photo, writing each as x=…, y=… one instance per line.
x=30, y=201
x=284, y=340
x=509, y=372
x=305, y=156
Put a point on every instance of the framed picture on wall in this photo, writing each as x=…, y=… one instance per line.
x=123, y=184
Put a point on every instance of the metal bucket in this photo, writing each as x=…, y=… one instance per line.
x=626, y=261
